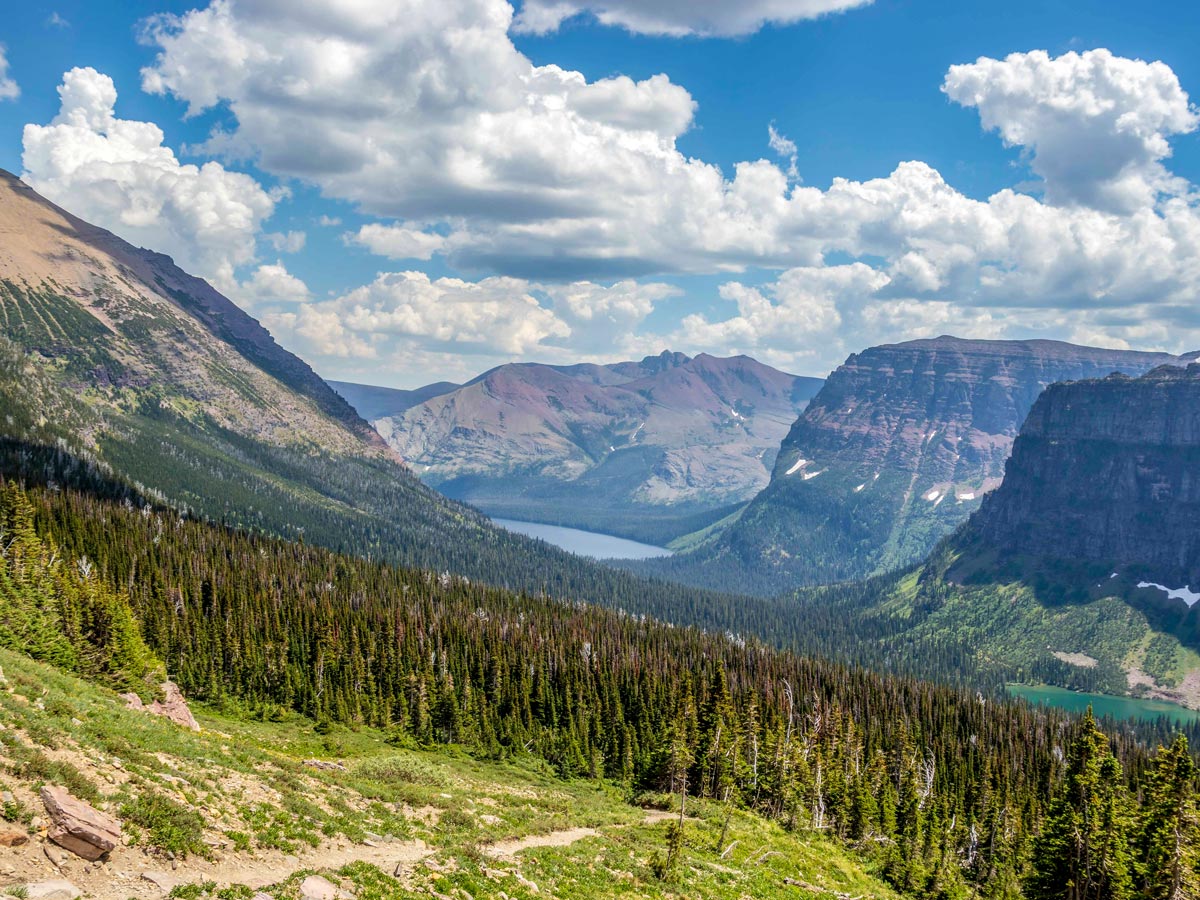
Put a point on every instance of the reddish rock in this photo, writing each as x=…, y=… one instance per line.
x=79, y=827
x=895, y=452
x=12, y=839
x=172, y=706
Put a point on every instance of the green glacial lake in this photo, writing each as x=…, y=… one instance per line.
x=1102, y=704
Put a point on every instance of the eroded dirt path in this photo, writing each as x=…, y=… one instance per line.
x=125, y=876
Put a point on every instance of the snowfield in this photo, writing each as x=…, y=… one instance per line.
x=1185, y=593
x=797, y=466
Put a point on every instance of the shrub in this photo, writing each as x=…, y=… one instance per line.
x=168, y=825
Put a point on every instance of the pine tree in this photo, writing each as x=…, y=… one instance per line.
x=1082, y=852
x=1167, y=845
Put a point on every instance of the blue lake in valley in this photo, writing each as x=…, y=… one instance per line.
x=1102, y=704
x=584, y=543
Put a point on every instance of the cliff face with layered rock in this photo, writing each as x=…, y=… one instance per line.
x=897, y=450
x=1081, y=570
x=1107, y=471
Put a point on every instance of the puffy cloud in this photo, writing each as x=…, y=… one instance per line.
x=430, y=119
x=287, y=242
x=404, y=316
x=272, y=284
x=497, y=312
x=431, y=115
x=319, y=331
x=398, y=241
x=679, y=17
x=790, y=318
x=1095, y=126
x=9, y=89
x=117, y=173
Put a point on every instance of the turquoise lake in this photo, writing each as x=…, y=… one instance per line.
x=1102, y=704
x=585, y=543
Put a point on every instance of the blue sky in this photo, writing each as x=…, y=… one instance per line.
x=572, y=231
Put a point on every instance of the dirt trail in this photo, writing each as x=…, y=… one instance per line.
x=124, y=878
x=509, y=849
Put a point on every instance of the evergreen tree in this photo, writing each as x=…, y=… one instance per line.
x=1168, y=846
x=1082, y=852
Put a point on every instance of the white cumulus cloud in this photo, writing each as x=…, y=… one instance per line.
x=404, y=316
x=9, y=89
x=1095, y=126
x=272, y=283
x=429, y=119
x=287, y=242
x=118, y=174
x=397, y=241
x=679, y=17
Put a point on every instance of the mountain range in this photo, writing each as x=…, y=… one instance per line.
x=896, y=450
x=649, y=449
x=122, y=373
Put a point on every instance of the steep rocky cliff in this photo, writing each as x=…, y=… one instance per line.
x=1081, y=570
x=894, y=452
x=647, y=448
x=1107, y=471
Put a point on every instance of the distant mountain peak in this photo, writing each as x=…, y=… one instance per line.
x=628, y=438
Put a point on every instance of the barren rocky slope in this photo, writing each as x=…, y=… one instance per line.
x=609, y=447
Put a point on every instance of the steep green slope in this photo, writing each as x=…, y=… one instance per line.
x=242, y=807
x=115, y=364
x=840, y=772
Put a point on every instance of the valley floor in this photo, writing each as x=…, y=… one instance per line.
x=248, y=806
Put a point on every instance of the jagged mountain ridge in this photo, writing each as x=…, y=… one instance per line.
x=895, y=451
x=603, y=445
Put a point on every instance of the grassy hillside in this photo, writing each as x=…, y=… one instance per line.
x=241, y=804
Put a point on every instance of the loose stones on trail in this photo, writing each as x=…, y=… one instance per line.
x=51, y=890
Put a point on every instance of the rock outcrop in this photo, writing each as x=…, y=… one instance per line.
x=173, y=706
x=58, y=889
x=79, y=827
x=896, y=451
x=1107, y=471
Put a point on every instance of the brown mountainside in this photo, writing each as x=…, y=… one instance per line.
x=611, y=447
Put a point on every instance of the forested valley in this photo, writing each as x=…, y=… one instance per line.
x=950, y=792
